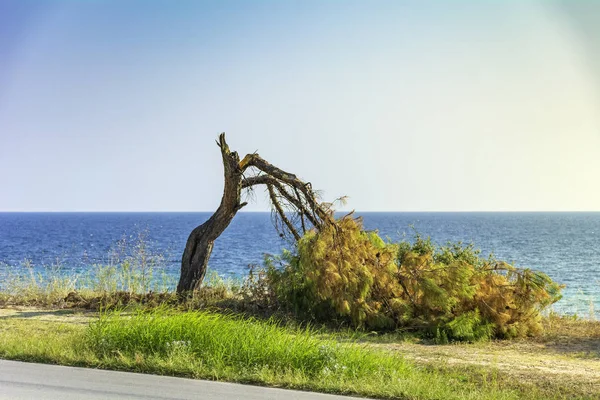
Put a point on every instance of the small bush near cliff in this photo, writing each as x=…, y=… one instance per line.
x=347, y=274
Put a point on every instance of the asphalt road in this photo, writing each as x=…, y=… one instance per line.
x=28, y=381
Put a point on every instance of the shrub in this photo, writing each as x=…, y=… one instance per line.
x=343, y=272
x=467, y=297
x=340, y=271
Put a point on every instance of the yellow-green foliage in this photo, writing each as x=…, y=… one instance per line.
x=468, y=297
x=351, y=269
x=343, y=272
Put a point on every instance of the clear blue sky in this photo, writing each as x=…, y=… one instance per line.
x=401, y=105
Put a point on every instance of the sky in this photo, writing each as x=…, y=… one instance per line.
x=399, y=105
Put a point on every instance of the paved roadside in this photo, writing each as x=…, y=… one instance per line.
x=25, y=381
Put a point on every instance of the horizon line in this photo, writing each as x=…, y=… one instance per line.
x=268, y=211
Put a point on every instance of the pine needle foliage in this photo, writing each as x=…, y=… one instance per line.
x=346, y=274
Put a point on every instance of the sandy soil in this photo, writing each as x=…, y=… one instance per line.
x=551, y=363
x=67, y=315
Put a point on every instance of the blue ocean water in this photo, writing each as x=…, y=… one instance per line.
x=564, y=245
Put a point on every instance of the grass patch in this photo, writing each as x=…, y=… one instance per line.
x=210, y=346
x=228, y=347
x=131, y=271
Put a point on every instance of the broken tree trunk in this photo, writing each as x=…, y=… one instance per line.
x=200, y=242
x=289, y=196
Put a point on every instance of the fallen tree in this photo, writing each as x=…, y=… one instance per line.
x=295, y=209
x=337, y=271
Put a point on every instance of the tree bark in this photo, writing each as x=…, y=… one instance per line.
x=201, y=241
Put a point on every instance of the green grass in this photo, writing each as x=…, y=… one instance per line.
x=211, y=346
x=200, y=344
x=227, y=347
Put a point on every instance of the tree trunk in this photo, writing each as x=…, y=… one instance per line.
x=200, y=242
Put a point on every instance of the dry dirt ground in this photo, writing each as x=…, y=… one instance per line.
x=67, y=315
x=546, y=364
x=568, y=355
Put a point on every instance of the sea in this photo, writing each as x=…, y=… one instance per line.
x=566, y=246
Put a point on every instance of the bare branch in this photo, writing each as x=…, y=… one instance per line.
x=281, y=213
x=297, y=202
x=256, y=161
x=297, y=193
